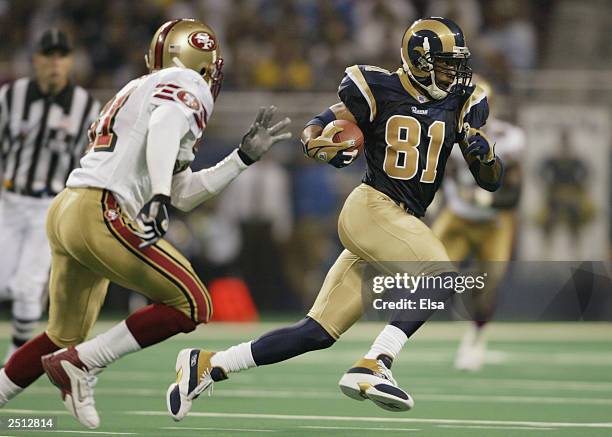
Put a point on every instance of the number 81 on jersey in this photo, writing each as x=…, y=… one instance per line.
x=403, y=136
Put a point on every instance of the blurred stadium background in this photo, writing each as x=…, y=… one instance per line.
x=274, y=229
x=555, y=85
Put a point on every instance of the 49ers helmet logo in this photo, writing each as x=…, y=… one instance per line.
x=188, y=100
x=203, y=41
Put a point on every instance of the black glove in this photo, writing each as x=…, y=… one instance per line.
x=153, y=220
x=480, y=147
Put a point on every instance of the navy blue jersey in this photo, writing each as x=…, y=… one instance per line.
x=408, y=136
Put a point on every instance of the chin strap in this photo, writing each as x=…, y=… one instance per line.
x=433, y=89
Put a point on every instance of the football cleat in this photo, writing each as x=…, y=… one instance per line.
x=372, y=379
x=471, y=353
x=66, y=371
x=194, y=374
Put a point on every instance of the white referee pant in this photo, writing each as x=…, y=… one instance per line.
x=25, y=257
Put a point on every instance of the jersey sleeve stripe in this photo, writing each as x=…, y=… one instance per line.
x=478, y=95
x=163, y=96
x=355, y=74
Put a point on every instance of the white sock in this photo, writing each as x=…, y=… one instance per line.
x=8, y=389
x=389, y=342
x=234, y=359
x=108, y=347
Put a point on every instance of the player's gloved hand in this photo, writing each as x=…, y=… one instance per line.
x=153, y=220
x=479, y=146
x=262, y=136
x=324, y=149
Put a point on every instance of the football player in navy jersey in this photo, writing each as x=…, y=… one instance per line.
x=411, y=119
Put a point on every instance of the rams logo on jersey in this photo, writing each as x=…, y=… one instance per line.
x=203, y=41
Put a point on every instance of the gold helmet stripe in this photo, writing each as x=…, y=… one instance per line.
x=446, y=35
x=355, y=74
x=159, y=45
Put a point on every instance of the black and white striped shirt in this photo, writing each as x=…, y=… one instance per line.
x=42, y=137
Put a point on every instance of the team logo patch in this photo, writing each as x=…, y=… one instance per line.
x=203, y=41
x=189, y=100
x=111, y=215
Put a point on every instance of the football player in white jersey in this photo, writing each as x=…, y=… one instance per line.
x=481, y=224
x=109, y=223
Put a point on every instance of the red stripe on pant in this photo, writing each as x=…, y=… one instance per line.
x=159, y=259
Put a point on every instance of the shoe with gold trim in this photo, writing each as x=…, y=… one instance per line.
x=372, y=379
x=194, y=374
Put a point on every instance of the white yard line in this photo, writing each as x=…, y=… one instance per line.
x=605, y=425
x=526, y=428
x=92, y=432
x=298, y=393
x=359, y=428
x=183, y=428
x=467, y=380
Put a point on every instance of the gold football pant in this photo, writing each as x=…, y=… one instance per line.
x=490, y=241
x=374, y=231
x=92, y=243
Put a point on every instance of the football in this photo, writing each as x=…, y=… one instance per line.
x=351, y=132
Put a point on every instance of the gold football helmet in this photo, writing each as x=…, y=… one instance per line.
x=436, y=45
x=190, y=44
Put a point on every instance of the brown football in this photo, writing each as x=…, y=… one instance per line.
x=351, y=132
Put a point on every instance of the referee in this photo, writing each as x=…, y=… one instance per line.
x=43, y=133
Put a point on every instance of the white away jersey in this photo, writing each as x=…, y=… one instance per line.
x=464, y=197
x=116, y=159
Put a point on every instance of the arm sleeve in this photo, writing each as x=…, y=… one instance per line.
x=166, y=128
x=190, y=189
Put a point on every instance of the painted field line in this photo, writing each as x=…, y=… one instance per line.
x=218, y=429
x=26, y=411
x=519, y=383
x=468, y=380
x=525, y=428
x=314, y=394
x=347, y=428
x=91, y=432
x=606, y=425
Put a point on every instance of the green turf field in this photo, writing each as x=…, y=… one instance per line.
x=541, y=379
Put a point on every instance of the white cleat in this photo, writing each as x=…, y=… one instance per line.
x=471, y=353
x=371, y=379
x=194, y=374
x=66, y=371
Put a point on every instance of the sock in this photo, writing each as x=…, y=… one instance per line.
x=22, y=331
x=108, y=347
x=284, y=343
x=24, y=367
x=234, y=359
x=157, y=322
x=8, y=389
x=389, y=342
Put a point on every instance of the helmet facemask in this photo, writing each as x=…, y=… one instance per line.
x=213, y=75
x=454, y=65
